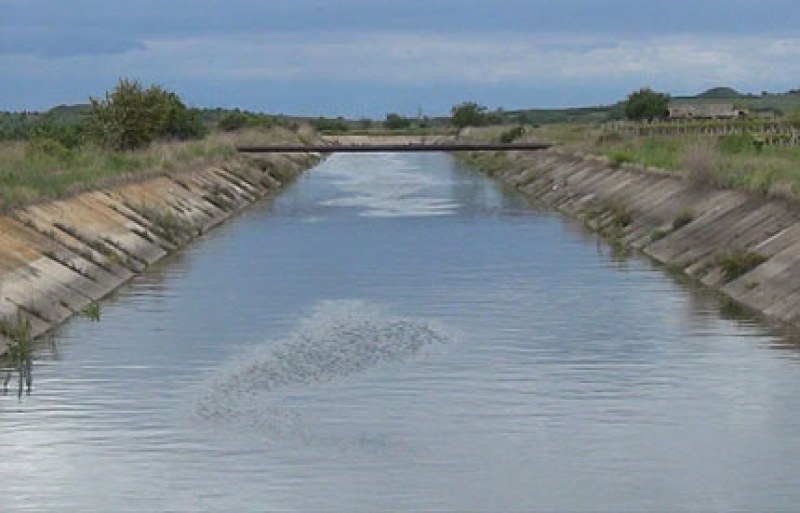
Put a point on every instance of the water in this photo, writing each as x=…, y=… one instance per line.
x=397, y=333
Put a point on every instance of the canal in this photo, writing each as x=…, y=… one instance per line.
x=396, y=333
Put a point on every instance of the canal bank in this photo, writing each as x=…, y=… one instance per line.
x=59, y=258
x=402, y=330
x=744, y=245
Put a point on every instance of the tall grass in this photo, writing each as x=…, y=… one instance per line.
x=729, y=162
x=45, y=169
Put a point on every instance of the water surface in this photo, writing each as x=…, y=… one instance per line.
x=398, y=333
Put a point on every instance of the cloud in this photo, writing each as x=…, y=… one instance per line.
x=424, y=58
x=86, y=27
x=373, y=72
x=60, y=42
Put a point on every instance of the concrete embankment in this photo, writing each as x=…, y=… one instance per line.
x=743, y=245
x=57, y=258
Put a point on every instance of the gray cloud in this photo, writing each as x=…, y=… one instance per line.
x=58, y=42
x=370, y=56
x=356, y=73
x=126, y=25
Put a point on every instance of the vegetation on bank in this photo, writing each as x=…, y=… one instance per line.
x=734, y=161
x=132, y=132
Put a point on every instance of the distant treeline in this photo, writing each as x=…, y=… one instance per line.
x=67, y=124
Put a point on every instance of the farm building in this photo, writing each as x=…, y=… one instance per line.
x=678, y=110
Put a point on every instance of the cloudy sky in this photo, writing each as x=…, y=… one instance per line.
x=368, y=57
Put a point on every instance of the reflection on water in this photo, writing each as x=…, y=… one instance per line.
x=510, y=366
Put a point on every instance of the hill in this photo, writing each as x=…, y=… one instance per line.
x=720, y=92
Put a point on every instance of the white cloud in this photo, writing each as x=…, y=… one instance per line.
x=411, y=60
x=414, y=58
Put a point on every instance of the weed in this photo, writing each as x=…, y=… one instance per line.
x=683, y=217
x=166, y=223
x=658, y=234
x=20, y=350
x=512, y=134
x=92, y=311
x=619, y=157
x=736, y=144
x=737, y=263
x=701, y=162
x=621, y=217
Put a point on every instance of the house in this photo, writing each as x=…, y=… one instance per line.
x=685, y=110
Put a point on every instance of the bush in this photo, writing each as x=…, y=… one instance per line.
x=396, y=122
x=237, y=120
x=738, y=263
x=331, y=125
x=468, y=114
x=130, y=117
x=702, y=164
x=619, y=157
x=512, y=134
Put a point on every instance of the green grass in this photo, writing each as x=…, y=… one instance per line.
x=728, y=162
x=92, y=311
x=172, y=228
x=19, y=352
x=738, y=263
x=45, y=169
x=684, y=217
x=618, y=157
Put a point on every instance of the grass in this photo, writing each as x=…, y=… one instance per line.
x=658, y=234
x=619, y=157
x=733, y=161
x=166, y=224
x=19, y=355
x=737, y=263
x=92, y=311
x=39, y=170
x=682, y=218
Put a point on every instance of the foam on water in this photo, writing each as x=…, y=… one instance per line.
x=339, y=339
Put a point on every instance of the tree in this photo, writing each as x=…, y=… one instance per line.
x=396, y=121
x=468, y=114
x=646, y=104
x=131, y=116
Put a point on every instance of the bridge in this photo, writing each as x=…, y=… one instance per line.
x=383, y=148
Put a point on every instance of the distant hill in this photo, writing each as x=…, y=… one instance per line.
x=720, y=92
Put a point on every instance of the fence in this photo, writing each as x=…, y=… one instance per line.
x=769, y=132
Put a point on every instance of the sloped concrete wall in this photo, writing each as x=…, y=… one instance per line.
x=723, y=223
x=58, y=257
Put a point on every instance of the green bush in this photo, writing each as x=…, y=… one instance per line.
x=738, y=263
x=619, y=157
x=396, y=121
x=237, y=120
x=512, y=134
x=130, y=117
x=331, y=125
x=468, y=114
